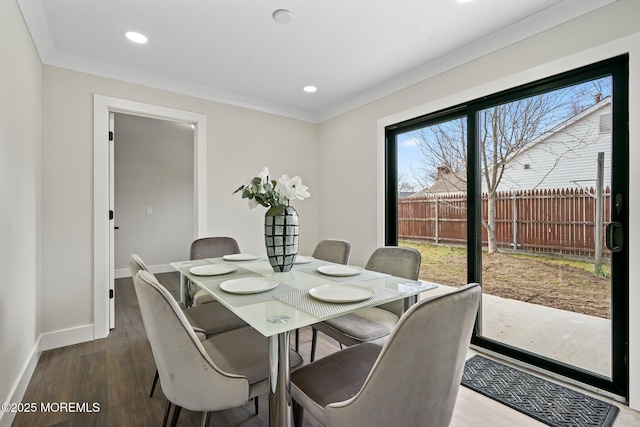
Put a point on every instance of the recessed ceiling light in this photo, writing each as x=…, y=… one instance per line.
x=282, y=16
x=310, y=89
x=136, y=37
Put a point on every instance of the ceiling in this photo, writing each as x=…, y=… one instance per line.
x=354, y=51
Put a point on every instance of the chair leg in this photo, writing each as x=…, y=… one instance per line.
x=206, y=418
x=256, y=402
x=297, y=340
x=166, y=414
x=155, y=382
x=176, y=414
x=314, y=338
x=188, y=301
x=298, y=414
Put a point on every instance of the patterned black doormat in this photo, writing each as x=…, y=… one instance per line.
x=547, y=402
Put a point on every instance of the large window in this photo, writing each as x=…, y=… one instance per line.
x=517, y=191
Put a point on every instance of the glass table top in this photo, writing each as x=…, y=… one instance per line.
x=288, y=305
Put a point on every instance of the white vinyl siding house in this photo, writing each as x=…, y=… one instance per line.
x=566, y=156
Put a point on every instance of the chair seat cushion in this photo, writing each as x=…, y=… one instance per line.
x=243, y=352
x=337, y=377
x=364, y=325
x=203, y=297
x=213, y=318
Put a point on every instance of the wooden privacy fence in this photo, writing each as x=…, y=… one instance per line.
x=558, y=221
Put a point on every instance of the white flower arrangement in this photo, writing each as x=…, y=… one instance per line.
x=275, y=195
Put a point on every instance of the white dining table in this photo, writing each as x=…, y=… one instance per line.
x=289, y=305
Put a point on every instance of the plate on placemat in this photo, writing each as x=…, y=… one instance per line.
x=240, y=257
x=212, y=269
x=341, y=292
x=248, y=285
x=340, y=270
x=300, y=259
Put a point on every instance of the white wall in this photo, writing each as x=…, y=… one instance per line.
x=20, y=137
x=240, y=143
x=354, y=180
x=154, y=166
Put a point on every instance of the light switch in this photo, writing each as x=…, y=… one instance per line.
x=149, y=211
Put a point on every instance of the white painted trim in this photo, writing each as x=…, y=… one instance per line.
x=102, y=106
x=24, y=377
x=65, y=337
x=155, y=269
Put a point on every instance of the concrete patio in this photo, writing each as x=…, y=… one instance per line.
x=573, y=338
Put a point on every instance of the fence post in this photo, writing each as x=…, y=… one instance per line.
x=514, y=216
x=598, y=225
x=437, y=236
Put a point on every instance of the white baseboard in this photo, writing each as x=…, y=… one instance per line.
x=65, y=337
x=17, y=391
x=155, y=269
x=46, y=341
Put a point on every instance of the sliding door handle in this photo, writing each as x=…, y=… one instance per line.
x=615, y=236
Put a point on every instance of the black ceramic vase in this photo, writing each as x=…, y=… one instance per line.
x=281, y=238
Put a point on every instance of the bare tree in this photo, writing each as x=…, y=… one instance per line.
x=504, y=131
x=405, y=186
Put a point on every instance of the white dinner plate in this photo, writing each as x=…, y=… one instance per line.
x=212, y=269
x=340, y=270
x=300, y=259
x=240, y=257
x=341, y=292
x=248, y=285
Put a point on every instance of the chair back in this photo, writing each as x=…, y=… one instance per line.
x=333, y=250
x=213, y=247
x=397, y=261
x=136, y=264
x=188, y=376
x=416, y=377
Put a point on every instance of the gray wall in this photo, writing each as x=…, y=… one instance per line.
x=153, y=169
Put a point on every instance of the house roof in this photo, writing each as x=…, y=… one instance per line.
x=447, y=183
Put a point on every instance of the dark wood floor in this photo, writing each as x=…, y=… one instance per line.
x=117, y=372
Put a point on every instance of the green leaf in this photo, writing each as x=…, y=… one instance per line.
x=275, y=210
x=239, y=188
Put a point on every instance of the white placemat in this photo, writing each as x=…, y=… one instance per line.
x=239, y=300
x=301, y=300
x=363, y=276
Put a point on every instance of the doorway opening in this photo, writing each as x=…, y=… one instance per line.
x=103, y=255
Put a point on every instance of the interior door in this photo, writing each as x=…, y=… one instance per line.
x=112, y=307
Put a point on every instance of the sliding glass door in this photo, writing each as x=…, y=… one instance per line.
x=525, y=192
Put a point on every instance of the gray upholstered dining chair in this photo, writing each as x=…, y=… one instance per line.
x=412, y=381
x=205, y=320
x=333, y=250
x=209, y=247
x=221, y=372
x=373, y=324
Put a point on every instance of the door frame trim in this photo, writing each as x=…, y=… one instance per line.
x=102, y=106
